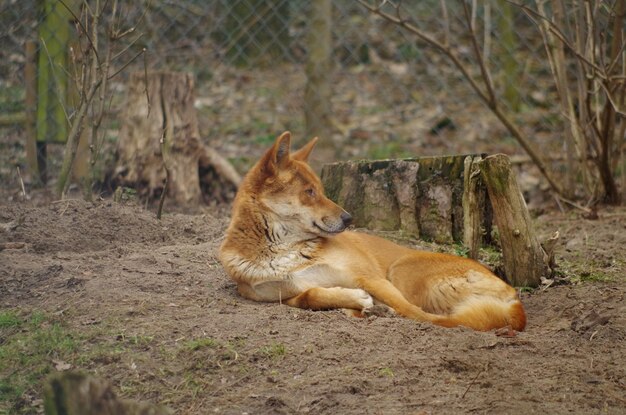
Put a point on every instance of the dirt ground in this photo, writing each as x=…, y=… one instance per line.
x=146, y=305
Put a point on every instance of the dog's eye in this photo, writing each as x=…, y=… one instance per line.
x=310, y=192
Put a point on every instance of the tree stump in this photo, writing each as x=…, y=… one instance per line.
x=72, y=393
x=444, y=199
x=160, y=133
x=422, y=196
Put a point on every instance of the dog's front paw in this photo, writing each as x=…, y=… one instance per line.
x=379, y=310
x=364, y=299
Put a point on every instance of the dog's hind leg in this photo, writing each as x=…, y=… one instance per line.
x=384, y=291
x=319, y=298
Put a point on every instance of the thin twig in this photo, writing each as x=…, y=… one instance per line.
x=484, y=71
x=167, y=175
x=130, y=45
x=56, y=79
x=446, y=23
x=145, y=83
x=472, y=382
x=487, y=34
x=128, y=63
x=573, y=204
x=118, y=35
x=611, y=101
x=80, y=23
x=19, y=174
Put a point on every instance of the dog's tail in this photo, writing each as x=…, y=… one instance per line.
x=486, y=313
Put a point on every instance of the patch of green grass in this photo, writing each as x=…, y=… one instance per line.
x=264, y=139
x=409, y=51
x=9, y=319
x=241, y=163
x=274, y=350
x=591, y=276
x=386, y=372
x=391, y=150
x=26, y=356
x=202, y=343
x=490, y=255
x=460, y=250
x=141, y=339
x=36, y=318
x=369, y=110
x=11, y=98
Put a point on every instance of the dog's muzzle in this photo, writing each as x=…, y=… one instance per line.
x=334, y=225
x=346, y=218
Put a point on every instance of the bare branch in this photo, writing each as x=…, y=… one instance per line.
x=80, y=23
x=488, y=98
x=559, y=34
x=167, y=174
x=130, y=45
x=446, y=23
x=446, y=50
x=56, y=79
x=487, y=34
x=128, y=63
x=611, y=100
x=479, y=57
x=145, y=73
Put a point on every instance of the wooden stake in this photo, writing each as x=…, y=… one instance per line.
x=473, y=204
x=525, y=261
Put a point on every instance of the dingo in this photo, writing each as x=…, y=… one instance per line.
x=287, y=242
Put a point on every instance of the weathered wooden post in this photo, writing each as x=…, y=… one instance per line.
x=317, y=92
x=474, y=196
x=30, y=101
x=525, y=260
x=54, y=35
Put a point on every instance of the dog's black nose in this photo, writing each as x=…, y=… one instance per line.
x=346, y=218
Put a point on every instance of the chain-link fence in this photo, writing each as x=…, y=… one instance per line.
x=381, y=93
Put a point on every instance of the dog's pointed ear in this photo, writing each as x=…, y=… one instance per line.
x=304, y=152
x=280, y=151
x=278, y=156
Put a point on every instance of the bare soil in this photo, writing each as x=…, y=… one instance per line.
x=153, y=312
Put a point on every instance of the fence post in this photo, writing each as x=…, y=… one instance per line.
x=54, y=34
x=317, y=93
x=30, y=80
x=511, y=64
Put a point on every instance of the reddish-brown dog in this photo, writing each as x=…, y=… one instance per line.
x=287, y=242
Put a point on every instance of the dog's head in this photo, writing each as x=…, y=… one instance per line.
x=287, y=186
